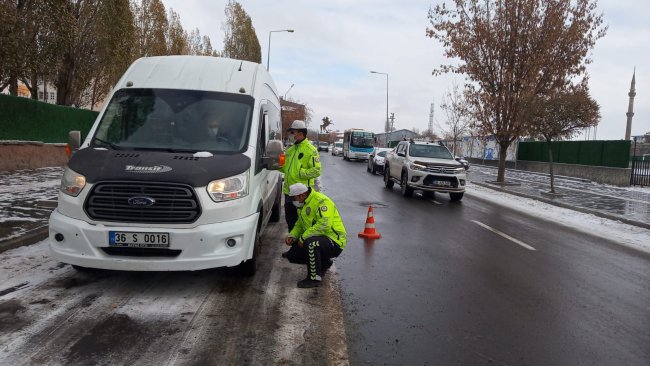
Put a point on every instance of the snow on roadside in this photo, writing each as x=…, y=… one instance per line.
x=628, y=235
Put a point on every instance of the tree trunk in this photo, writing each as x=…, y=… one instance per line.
x=13, y=85
x=550, y=164
x=503, y=153
x=64, y=82
x=45, y=91
x=33, y=88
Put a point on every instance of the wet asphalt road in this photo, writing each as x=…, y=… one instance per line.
x=51, y=314
x=439, y=288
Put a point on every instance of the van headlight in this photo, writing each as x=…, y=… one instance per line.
x=229, y=188
x=72, y=182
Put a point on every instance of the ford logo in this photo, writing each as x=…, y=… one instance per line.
x=141, y=201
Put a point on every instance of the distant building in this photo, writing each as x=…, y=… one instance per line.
x=48, y=96
x=389, y=139
x=290, y=112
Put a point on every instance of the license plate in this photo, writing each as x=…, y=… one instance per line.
x=441, y=183
x=138, y=240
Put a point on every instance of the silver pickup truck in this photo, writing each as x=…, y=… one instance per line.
x=426, y=166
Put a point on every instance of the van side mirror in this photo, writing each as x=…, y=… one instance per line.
x=274, y=157
x=401, y=154
x=74, y=142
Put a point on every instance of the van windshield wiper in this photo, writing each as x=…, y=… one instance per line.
x=111, y=145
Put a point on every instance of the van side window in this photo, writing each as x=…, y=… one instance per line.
x=262, y=138
x=274, y=123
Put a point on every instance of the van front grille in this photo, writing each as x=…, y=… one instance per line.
x=143, y=202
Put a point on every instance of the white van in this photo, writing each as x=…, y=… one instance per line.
x=178, y=172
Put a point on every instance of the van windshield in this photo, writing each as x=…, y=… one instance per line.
x=175, y=120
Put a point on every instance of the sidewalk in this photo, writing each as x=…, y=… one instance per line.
x=630, y=205
x=27, y=197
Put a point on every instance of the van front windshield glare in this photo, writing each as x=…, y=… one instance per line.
x=430, y=151
x=175, y=120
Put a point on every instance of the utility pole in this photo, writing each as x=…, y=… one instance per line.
x=392, y=122
x=431, y=120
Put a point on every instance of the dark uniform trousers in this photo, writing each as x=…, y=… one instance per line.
x=290, y=212
x=315, y=253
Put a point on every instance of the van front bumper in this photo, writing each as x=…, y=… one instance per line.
x=202, y=247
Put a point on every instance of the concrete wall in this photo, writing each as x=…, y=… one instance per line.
x=16, y=155
x=601, y=174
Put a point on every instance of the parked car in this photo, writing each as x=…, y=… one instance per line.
x=337, y=148
x=140, y=195
x=427, y=166
x=376, y=160
x=323, y=146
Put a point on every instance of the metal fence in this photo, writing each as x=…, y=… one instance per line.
x=614, y=153
x=640, y=173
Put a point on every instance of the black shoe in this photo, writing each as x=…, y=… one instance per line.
x=327, y=265
x=308, y=283
x=285, y=254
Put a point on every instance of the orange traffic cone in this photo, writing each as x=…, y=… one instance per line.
x=369, y=231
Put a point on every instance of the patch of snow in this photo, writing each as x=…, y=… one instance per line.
x=616, y=231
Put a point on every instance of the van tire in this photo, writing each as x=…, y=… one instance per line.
x=249, y=267
x=277, y=207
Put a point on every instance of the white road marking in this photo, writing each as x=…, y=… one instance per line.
x=516, y=241
x=436, y=202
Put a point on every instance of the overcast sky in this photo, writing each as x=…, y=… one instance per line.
x=337, y=43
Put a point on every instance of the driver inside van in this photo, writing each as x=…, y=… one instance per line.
x=214, y=129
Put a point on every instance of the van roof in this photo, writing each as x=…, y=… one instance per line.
x=195, y=73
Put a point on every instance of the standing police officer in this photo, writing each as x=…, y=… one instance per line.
x=318, y=235
x=302, y=165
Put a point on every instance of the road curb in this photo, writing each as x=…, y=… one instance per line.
x=567, y=206
x=31, y=237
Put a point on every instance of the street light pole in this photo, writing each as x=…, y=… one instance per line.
x=383, y=73
x=285, y=94
x=268, y=54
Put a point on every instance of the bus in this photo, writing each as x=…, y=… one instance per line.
x=357, y=144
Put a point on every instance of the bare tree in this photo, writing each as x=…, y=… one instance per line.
x=33, y=34
x=151, y=26
x=457, y=120
x=560, y=116
x=240, y=40
x=511, y=51
x=177, y=38
x=200, y=45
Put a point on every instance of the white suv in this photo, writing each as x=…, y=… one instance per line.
x=426, y=166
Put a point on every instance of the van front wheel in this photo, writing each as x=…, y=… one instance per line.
x=249, y=267
x=277, y=206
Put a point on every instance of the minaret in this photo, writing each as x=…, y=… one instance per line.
x=630, y=108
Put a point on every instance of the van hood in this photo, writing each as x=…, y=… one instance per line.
x=101, y=165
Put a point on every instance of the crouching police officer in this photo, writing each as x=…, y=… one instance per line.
x=318, y=235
